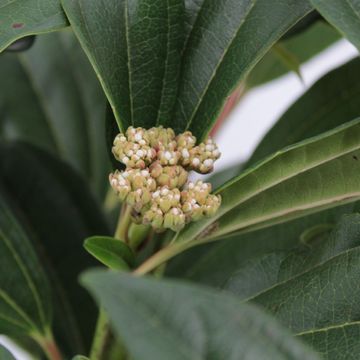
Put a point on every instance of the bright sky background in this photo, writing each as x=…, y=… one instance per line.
x=260, y=109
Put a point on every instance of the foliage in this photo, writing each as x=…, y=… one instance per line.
x=272, y=275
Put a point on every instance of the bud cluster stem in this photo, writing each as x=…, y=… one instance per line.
x=122, y=230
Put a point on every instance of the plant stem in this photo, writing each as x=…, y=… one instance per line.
x=160, y=257
x=124, y=223
x=102, y=337
x=49, y=347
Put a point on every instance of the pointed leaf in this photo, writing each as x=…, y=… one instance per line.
x=180, y=321
x=302, y=46
x=226, y=40
x=304, y=178
x=134, y=47
x=113, y=253
x=19, y=18
x=344, y=15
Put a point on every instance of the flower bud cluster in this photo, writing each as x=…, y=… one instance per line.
x=154, y=182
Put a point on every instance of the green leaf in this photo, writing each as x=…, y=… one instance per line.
x=135, y=48
x=318, y=173
x=68, y=120
x=316, y=290
x=5, y=354
x=214, y=263
x=25, y=298
x=344, y=15
x=80, y=357
x=18, y=19
x=225, y=42
x=113, y=253
x=330, y=102
x=302, y=47
x=180, y=321
x=58, y=208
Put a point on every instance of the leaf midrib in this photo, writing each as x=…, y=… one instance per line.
x=212, y=77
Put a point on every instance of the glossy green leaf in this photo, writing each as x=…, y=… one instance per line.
x=135, y=48
x=19, y=18
x=344, y=15
x=5, y=354
x=302, y=47
x=58, y=208
x=214, y=263
x=301, y=179
x=226, y=40
x=25, y=298
x=113, y=253
x=180, y=321
x=62, y=105
x=330, y=102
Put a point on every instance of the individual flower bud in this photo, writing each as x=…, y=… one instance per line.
x=137, y=135
x=174, y=219
x=185, y=142
x=120, y=184
x=212, y=205
x=172, y=177
x=160, y=136
x=203, y=156
x=165, y=198
x=167, y=156
x=132, y=153
x=138, y=199
x=154, y=217
x=141, y=179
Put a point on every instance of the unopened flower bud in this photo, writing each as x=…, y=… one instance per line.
x=174, y=219
x=120, y=184
x=203, y=156
x=159, y=136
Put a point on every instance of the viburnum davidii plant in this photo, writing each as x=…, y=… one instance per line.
x=113, y=243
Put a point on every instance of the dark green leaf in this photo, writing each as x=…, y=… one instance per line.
x=344, y=15
x=80, y=357
x=135, y=48
x=113, y=253
x=302, y=46
x=57, y=207
x=58, y=106
x=171, y=320
x=5, y=354
x=330, y=102
x=19, y=18
x=226, y=40
x=25, y=298
x=213, y=264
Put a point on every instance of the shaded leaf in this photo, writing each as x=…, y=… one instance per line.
x=226, y=40
x=19, y=18
x=179, y=321
x=134, y=47
x=302, y=46
x=113, y=253
x=344, y=15
x=25, y=298
x=5, y=354
x=66, y=119
x=56, y=206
